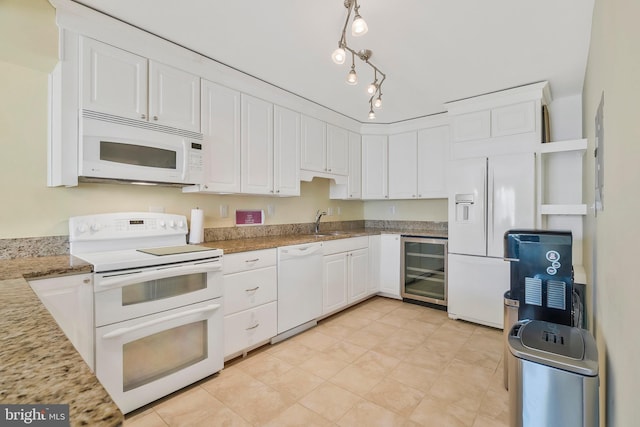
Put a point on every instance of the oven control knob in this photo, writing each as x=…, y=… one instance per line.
x=82, y=228
x=172, y=224
x=162, y=224
x=180, y=224
x=95, y=227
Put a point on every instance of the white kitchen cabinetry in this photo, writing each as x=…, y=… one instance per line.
x=374, y=264
x=256, y=146
x=221, y=131
x=69, y=299
x=286, y=152
x=346, y=270
x=403, y=166
x=417, y=164
x=250, y=300
x=374, y=167
x=324, y=148
x=352, y=190
x=390, y=265
x=121, y=83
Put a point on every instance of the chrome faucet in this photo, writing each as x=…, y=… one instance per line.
x=318, y=216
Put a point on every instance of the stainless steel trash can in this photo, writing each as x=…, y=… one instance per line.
x=555, y=380
x=510, y=318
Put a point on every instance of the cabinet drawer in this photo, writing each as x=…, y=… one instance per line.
x=250, y=327
x=344, y=245
x=244, y=261
x=249, y=289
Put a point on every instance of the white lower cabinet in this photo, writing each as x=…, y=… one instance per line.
x=69, y=299
x=250, y=300
x=346, y=273
x=390, y=265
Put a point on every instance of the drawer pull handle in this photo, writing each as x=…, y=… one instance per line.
x=252, y=289
x=253, y=327
x=253, y=260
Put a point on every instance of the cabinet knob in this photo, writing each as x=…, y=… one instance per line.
x=329, y=170
x=413, y=195
x=419, y=195
x=277, y=191
x=386, y=197
x=86, y=281
x=143, y=116
x=155, y=118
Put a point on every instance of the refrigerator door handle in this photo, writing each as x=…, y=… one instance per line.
x=489, y=185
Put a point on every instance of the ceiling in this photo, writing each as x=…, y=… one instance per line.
x=432, y=51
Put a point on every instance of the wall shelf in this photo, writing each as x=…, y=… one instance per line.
x=563, y=146
x=577, y=209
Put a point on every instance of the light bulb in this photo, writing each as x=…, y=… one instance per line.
x=352, y=77
x=372, y=88
x=338, y=56
x=359, y=27
x=378, y=102
x=372, y=115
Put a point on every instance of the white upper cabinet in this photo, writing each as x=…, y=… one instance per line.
x=114, y=81
x=352, y=190
x=118, y=82
x=433, y=155
x=286, y=152
x=256, y=146
x=403, y=166
x=221, y=131
x=324, y=148
x=417, y=164
x=313, y=151
x=337, y=150
x=374, y=167
x=174, y=97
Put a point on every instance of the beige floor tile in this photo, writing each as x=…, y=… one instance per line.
x=147, y=419
x=393, y=320
x=295, y=382
x=459, y=393
x=433, y=316
x=495, y=404
x=197, y=407
x=356, y=379
x=315, y=340
x=409, y=311
x=352, y=321
x=376, y=364
x=395, y=396
x=484, y=421
x=413, y=376
x=433, y=413
x=324, y=365
x=363, y=339
x=297, y=416
x=337, y=331
x=469, y=372
x=485, y=358
x=346, y=351
x=294, y=353
x=369, y=414
x=420, y=327
x=432, y=359
x=383, y=305
x=380, y=329
x=266, y=367
x=399, y=344
x=255, y=401
x=329, y=400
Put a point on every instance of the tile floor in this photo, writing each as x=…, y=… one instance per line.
x=380, y=363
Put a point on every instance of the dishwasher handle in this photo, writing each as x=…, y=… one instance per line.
x=300, y=251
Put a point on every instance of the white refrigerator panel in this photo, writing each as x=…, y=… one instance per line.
x=476, y=287
x=467, y=183
x=510, y=198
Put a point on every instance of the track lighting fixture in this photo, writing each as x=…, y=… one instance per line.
x=359, y=27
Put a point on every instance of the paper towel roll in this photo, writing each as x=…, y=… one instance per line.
x=196, y=233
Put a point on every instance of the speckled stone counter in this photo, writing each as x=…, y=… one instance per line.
x=251, y=244
x=38, y=364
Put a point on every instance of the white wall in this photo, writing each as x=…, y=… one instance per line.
x=611, y=237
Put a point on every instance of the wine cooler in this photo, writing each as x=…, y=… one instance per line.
x=424, y=270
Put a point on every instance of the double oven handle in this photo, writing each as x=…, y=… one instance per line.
x=123, y=331
x=116, y=280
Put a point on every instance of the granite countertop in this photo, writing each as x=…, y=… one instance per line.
x=257, y=243
x=38, y=364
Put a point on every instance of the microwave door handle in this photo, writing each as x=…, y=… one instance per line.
x=185, y=160
x=123, y=331
x=121, y=280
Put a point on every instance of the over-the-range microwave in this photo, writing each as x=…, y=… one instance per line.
x=119, y=149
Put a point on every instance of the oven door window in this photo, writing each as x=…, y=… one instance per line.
x=156, y=356
x=138, y=155
x=159, y=289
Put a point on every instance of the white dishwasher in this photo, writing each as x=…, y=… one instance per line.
x=299, y=288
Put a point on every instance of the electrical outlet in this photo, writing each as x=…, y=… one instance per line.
x=329, y=211
x=271, y=210
x=224, y=211
x=392, y=209
x=338, y=211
